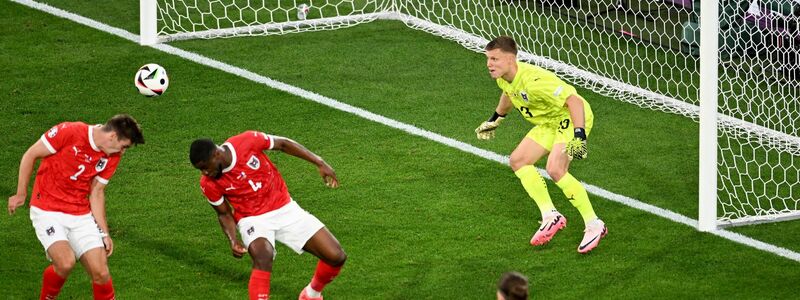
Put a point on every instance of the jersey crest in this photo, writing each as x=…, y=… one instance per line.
x=254, y=163
x=52, y=132
x=523, y=95
x=101, y=164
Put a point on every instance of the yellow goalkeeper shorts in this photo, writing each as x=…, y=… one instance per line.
x=547, y=135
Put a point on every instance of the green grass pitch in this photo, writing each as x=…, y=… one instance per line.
x=419, y=220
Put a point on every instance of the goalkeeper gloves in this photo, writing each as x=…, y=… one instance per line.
x=576, y=148
x=486, y=130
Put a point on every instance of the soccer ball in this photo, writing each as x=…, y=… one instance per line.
x=151, y=80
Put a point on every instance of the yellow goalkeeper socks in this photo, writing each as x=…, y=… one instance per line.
x=576, y=194
x=536, y=187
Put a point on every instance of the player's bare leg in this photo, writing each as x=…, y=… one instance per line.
x=557, y=163
x=262, y=253
x=331, y=259
x=522, y=159
x=96, y=263
x=54, y=276
x=326, y=247
x=527, y=153
x=558, y=169
x=63, y=258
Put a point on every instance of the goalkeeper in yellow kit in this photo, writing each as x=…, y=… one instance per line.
x=562, y=120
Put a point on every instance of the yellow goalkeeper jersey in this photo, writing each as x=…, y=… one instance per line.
x=538, y=94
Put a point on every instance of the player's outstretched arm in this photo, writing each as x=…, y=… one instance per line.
x=293, y=148
x=228, y=224
x=35, y=152
x=97, y=203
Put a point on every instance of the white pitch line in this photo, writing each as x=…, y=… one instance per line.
x=197, y=58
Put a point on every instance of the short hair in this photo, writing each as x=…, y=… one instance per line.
x=504, y=43
x=201, y=150
x=126, y=127
x=513, y=286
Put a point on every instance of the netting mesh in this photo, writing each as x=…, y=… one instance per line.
x=643, y=52
x=187, y=19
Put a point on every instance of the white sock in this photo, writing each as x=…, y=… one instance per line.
x=312, y=292
x=595, y=222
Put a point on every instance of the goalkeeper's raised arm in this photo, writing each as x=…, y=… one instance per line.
x=486, y=130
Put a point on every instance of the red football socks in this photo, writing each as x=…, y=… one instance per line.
x=259, y=285
x=324, y=274
x=103, y=291
x=51, y=284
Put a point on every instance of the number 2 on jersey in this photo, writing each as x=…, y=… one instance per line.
x=255, y=185
x=81, y=168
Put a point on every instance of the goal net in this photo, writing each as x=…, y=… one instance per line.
x=189, y=19
x=644, y=52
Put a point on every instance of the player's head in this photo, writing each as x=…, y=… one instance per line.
x=501, y=56
x=512, y=286
x=119, y=133
x=204, y=155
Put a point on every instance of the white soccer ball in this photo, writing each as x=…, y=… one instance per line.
x=151, y=80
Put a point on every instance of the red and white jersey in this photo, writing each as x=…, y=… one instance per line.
x=251, y=184
x=64, y=179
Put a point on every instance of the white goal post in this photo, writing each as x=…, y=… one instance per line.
x=709, y=58
x=148, y=22
x=731, y=65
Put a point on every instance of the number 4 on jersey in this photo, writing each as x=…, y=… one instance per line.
x=255, y=185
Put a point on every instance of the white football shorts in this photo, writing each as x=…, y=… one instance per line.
x=81, y=232
x=291, y=225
